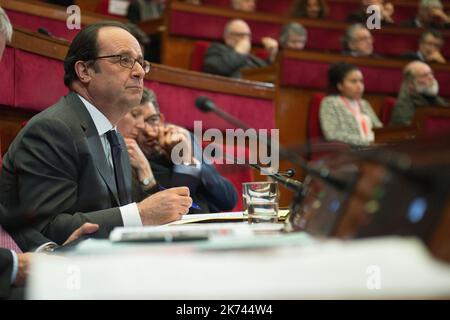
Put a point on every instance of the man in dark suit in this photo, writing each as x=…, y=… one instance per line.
x=227, y=59
x=430, y=45
x=431, y=14
x=153, y=165
x=14, y=266
x=67, y=164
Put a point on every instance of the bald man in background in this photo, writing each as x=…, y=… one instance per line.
x=228, y=58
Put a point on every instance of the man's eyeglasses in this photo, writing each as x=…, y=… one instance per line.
x=154, y=120
x=128, y=62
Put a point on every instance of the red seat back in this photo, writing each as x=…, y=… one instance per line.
x=314, y=130
x=198, y=56
x=386, y=110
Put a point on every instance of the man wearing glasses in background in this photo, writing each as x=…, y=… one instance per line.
x=69, y=162
x=229, y=58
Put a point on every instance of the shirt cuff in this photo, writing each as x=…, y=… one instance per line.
x=15, y=267
x=193, y=170
x=43, y=247
x=130, y=215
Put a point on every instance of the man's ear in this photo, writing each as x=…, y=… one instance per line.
x=83, y=72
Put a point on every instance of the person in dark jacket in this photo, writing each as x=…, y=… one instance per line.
x=228, y=58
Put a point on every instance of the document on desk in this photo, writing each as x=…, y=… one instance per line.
x=209, y=217
x=221, y=216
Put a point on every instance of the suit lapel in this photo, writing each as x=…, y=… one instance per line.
x=94, y=143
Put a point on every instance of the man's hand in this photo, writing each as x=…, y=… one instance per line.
x=387, y=11
x=138, y=160
x=86, y=228
x=435, y=56
x=243, y=46
x=441, y=15
x=165, y=206
x=174, y=135
x=24, y=267
x=271, y=45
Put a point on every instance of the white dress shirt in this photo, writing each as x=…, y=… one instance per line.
x=129, y=212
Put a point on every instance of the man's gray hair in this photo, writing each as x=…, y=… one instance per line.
x=431, y=3
x=349, y=35
x=5, y=25
x=292, y=28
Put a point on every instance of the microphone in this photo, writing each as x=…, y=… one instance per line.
x=205, y=104
x=281, y=177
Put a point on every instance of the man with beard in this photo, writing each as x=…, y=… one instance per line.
x=419, y=89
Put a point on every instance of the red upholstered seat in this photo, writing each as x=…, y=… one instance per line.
x=386, y=110
x=314, y=130
x=198, y=56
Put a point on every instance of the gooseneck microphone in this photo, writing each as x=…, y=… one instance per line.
x=205, y=104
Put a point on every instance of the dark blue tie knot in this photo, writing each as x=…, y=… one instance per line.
x=113, y=138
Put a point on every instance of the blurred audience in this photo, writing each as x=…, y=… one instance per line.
x=430, y=45
x=419, y=89
x=243, y=5
x=227, y=59
x=196, y=2
x=293, y=36
x=430, y=15
x=386, y=10
x=344, y=116
x=313, y=9
x=358, y=42
x=143, y=10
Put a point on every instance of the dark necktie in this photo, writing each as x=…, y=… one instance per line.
x=116, y=151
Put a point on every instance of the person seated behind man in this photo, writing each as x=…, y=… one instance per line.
x=430, y=14
x=293, y=36
x=386, y=10
x=358, y=42
x=66, y=165
x=243, y=5
x=419, y=89
x=430, y=43
x=344, y=116
x=151, y=159
x=312, y=9
x=144, y=10
x=227, y=59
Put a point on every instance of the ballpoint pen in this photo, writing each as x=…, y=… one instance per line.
x=194, y=205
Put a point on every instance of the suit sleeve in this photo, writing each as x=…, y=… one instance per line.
x=218, y=190
x=6, y=265
x=48, y=165
x=220, y=61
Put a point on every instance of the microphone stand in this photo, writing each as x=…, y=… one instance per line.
x=206, y=105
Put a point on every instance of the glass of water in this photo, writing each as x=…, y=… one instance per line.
x=260, y=201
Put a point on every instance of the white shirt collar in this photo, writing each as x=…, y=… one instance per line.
x=102, y=124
